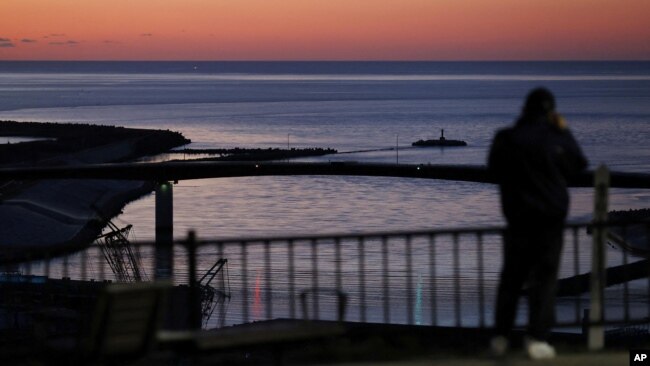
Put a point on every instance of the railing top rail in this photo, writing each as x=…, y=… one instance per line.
x=478, y=230
x=35, y=253
x=355, y=235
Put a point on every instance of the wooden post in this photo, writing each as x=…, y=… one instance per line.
x=596, y=337
x=164, y=231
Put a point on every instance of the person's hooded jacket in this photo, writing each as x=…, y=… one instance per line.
x=532, y=162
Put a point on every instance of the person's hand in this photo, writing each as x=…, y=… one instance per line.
x=558, y=121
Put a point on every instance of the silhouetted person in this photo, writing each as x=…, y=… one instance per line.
x=532, y=162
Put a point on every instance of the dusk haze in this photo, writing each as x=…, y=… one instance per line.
x=324, y=182
x=325, y=30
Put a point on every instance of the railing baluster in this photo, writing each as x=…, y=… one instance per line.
x=362, y=279
x=138, y=258
x=576, y=272
x=480, y=279
x=647, y=238
x=47, y=265
x=339, y=276
x=28, y=265
x=409, y=280
x=222, y=308
x=457, y=308
x=195, y=306
x=84, y=258
x=314, y=278
x=66, y=270
x=100, y=264
x=269, y=287
x=244, y=278
x=385, y=280
x=292, y=282
x=626, y=289
x=432, y=279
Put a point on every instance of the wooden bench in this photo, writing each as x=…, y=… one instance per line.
x=124, y=326
x=273, y=333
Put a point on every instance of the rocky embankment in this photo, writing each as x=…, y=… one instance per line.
x=69, y=143
x=65, y=214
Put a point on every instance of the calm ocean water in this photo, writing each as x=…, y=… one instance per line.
x=349, y=106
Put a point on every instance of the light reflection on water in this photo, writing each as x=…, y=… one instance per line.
x=256, y=206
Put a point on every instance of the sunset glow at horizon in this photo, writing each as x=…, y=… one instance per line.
x=325, y=30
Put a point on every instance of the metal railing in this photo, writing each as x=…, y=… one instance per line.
x=435, y=278
x=431, y=277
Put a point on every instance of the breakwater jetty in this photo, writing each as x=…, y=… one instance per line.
x=66, y=143
x=257, y=154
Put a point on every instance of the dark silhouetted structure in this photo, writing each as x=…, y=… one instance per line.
x=532, y=162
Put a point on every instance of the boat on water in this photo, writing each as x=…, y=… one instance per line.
x=442, y=141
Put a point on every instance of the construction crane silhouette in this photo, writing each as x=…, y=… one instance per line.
x=126, y=267
x=210, y=296
x=117, y=251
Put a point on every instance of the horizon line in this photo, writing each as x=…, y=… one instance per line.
x=325, y=60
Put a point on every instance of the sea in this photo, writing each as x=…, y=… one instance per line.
x=368, y=111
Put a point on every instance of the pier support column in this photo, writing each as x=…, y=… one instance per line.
x=164, y=231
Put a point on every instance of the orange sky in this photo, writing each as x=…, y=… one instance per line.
x=324, y=29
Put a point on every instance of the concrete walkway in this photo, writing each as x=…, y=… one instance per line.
x=606, y=358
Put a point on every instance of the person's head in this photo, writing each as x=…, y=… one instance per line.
x=540, y=101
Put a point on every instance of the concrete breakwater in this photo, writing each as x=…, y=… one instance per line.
x=257, y=154
x=65, y=214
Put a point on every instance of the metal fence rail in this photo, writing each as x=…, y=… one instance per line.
x=435, y=278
